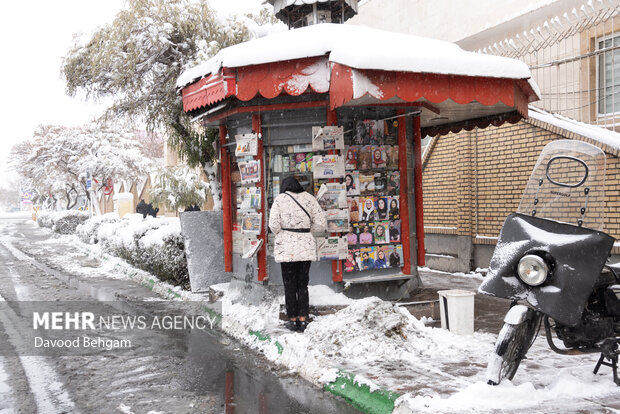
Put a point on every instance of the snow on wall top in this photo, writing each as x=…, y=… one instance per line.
x=361, y=48
x=596, y=133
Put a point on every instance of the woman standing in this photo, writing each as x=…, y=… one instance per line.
x=294, y=215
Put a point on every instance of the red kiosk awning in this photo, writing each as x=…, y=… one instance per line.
x=448, y=102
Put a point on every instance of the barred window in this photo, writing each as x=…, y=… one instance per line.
x=609, y=76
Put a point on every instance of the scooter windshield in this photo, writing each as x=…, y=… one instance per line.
x=567, y=185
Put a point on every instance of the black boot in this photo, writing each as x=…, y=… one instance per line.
x=301, y=325
x=292, y=325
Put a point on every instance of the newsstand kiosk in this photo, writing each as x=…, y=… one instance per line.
x=308, y=102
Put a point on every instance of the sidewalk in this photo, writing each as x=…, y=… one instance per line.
x=488, y=311
x=379, y=358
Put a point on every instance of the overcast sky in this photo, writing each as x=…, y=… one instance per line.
x=35, y=36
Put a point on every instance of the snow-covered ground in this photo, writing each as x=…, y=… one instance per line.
x=382, y=344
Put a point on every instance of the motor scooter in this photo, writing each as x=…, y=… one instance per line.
x=551, y=261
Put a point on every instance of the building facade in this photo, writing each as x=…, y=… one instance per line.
x=473, y=180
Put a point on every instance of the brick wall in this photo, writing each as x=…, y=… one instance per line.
x=440, y=185
x=473, y=180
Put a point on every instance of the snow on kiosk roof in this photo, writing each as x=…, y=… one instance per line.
x=360, y=66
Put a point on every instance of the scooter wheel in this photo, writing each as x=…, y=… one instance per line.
x=512, y=345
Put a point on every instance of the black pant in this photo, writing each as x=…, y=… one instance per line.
x=295, y=276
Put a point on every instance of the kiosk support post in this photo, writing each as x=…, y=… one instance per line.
x=226, y=200
x=332, y=120
x=404, y=196
x=262, y=252
x=419, y=200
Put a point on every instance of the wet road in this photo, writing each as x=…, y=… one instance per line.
x=182, y=372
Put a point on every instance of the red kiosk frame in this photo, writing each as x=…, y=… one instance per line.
x=426, y=103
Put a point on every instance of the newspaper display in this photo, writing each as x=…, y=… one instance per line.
x=337, y=220
x=247, y=145
x=250, y=198
x=327, y=138
x=332, y=248
x=335, y=196
x=251, y=223
x=328, y=166
x=250, y=171
x=250, y=247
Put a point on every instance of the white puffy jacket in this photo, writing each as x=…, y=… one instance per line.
x=285, y=213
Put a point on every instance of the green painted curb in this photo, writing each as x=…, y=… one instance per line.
x=266, y=338
x=360, y=396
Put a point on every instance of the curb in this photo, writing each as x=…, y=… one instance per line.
x=359, y=395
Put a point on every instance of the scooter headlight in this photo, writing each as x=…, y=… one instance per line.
x=533, y=270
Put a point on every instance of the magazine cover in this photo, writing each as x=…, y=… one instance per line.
x=375, y=131
x=393, y=183
x=367, y=209
x=334, y=197
x=365, y=233
x=361, y=136
x=276, y=186
x=328, y=166
x=381, y=231
x=381, y=208
x=327, y=138
x=350, y=161
x=354, y=209
x=352, y=183
x=380, y=181
x=251, y=223
x=390, y=132
x=364, y=157
x=352, y=237
x=394, y=210
x=350, y=263
x=250, y=171
x=332, y=248
x=379, y=157
x=303, y=161
x=367, y=182
x=394, y=231
x=392, y=156
x=337, y=220
x=367, y=258
x=396, y=256
x=247, y=145
x=382, y=257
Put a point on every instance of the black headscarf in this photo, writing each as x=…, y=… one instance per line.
x=291, y=184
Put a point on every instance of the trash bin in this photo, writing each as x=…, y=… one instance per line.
x=457, y=311
x=123, y=204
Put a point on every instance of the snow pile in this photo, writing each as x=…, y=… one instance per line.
x=322, y=295
x=370, y=338
x=599, y=134
x=87, y=231
x=151, y=244
x=63, y=222
x=479, y=397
